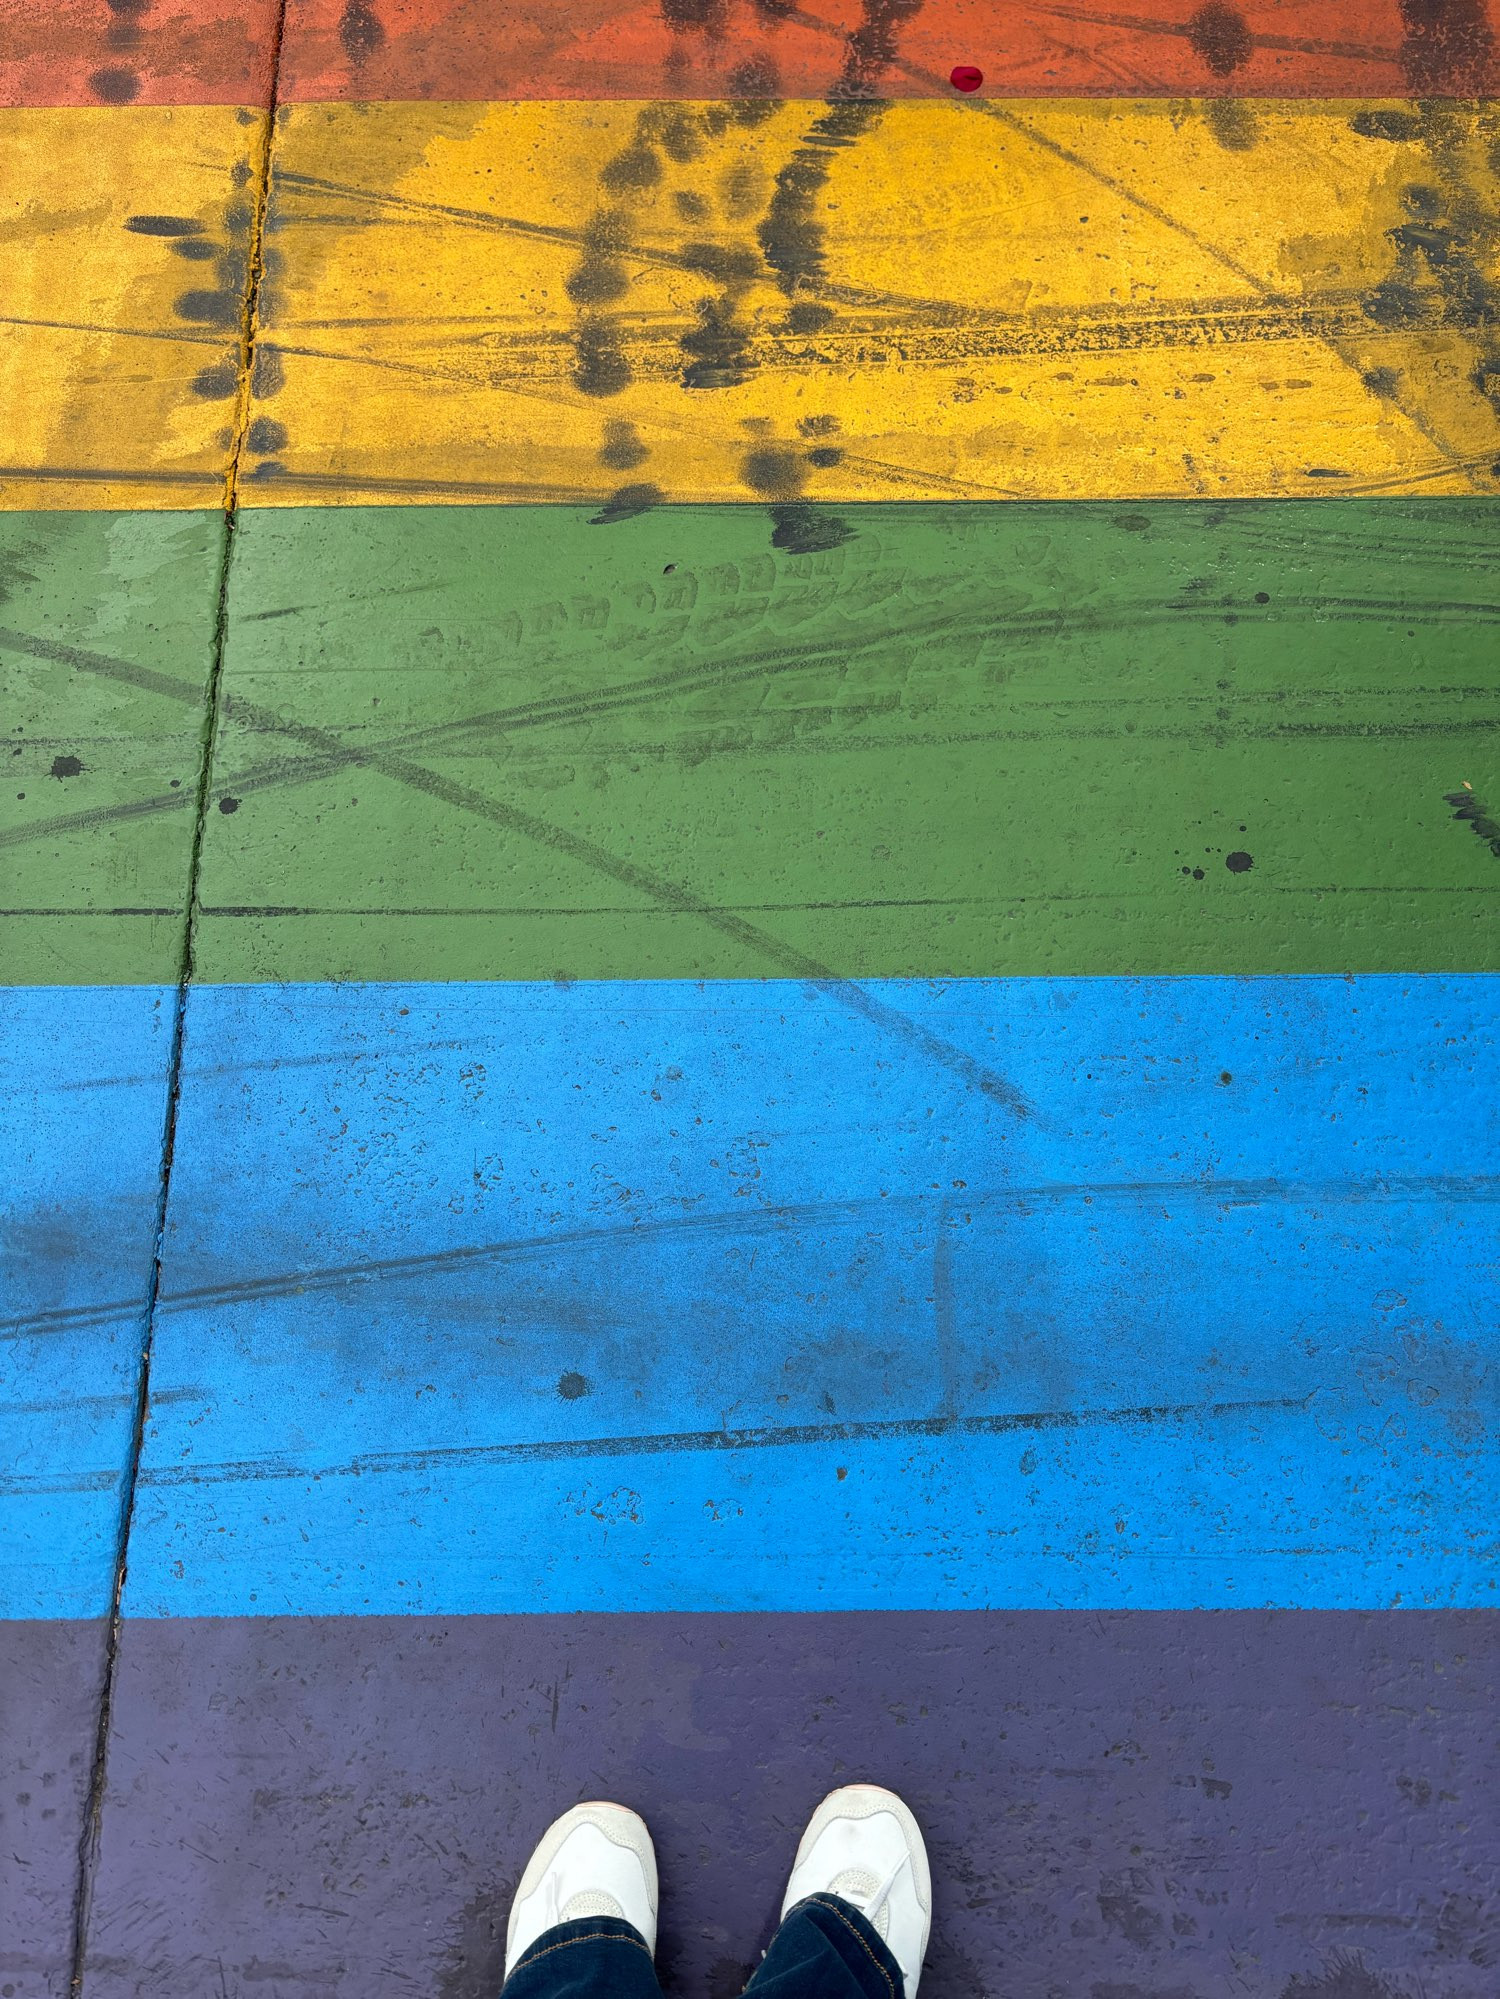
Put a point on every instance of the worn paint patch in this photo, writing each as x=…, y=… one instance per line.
x=1131, y=305
x=904, y=1233
x=1261, y=1799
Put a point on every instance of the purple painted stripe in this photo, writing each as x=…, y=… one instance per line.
x=51, y=1683
x=1147, y=1805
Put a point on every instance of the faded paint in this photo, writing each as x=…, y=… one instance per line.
x=87, y=52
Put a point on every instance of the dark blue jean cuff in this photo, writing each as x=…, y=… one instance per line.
x=595, y=1954
x=825, y=1947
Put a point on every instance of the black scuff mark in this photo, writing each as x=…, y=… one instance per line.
x=1470, y=811
x=625, y=503
x=801, y=529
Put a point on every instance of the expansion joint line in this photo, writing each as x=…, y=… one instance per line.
x=90, y=1838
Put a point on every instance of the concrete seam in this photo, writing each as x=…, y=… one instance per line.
x=90, y=1839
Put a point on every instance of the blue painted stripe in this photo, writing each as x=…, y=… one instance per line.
x=82, y=1103
x=1158, y=1293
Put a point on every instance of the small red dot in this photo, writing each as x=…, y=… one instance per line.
x=966, y=77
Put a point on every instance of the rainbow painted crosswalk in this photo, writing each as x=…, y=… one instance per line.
x=751, y=978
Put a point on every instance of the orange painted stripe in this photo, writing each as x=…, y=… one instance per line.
x=136, y=52
x=193, y=52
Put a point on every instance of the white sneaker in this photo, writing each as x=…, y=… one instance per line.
x=863, y=1845
x=596, y=1860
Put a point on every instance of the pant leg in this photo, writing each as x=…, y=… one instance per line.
x=597, y=1957
x=826, y=1950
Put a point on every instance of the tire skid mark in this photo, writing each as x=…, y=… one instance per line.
x=658, y=889
x=789, y=1436
x=1447, y=1190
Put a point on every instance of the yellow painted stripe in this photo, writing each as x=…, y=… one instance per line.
x=557, y=301
x=104, y=328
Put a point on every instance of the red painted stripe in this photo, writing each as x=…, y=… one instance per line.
x=187, y=51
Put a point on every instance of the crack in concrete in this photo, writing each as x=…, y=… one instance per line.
x=90, y=1839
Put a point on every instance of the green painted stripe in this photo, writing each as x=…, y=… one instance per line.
x=968, y=740
x=106, y=639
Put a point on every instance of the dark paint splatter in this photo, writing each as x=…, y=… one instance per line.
x=1448, y=49
x=572, y=1385
x=718, y=347
x=626, y=504
x=266, y=434
x=1239, y=862
x=1233, y=123
x=791, y=235
x=218, y=383
x=1470, y=812
x=115, y=86
x=66, y=767
x=1220, y=38
x=1123, y=1910
x=773, y=470
x=800, y=529
x=1393, y=125
x=758, y=85
x=164, y=225
x=806, y=316
x=702, y=17
x=622, y=449
x=631, y=172
x=228, y=806
x=600, y=367
x=597, y=281
x=205, y=308
x=1445, y=249
x=361, y=31
x=676, y=128
x=1344, y=1977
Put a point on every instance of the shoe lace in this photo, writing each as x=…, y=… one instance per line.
x=870, y=1906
